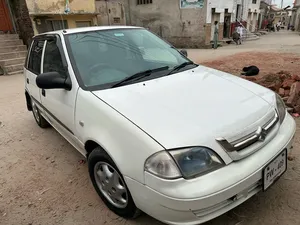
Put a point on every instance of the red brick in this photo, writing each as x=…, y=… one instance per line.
x=281, y=92
x=272, y=87
x=286, y=92
x=297, y=109
x=287, y=83
x=285, y=98
x=294, y=94
x=296, y=77
x=290, y=110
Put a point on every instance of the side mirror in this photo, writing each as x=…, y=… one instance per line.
x=53, y=80
x=184, y=52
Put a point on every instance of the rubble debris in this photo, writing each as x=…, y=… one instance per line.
x=286, y=85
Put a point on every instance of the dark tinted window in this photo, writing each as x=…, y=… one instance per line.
x=34, y=64
x=53, y=59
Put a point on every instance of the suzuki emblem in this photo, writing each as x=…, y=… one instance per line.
x=262, y=134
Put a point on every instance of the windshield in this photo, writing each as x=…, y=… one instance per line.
x=106, y=57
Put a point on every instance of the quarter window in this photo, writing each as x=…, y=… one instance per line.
x=53, y=59
x=34, y=64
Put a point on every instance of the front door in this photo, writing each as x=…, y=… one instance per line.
x=58, y=104
x=5, y=22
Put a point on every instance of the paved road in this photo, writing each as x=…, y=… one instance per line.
x=42, y=181
x=283, y=41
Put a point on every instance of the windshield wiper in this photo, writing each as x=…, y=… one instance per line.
x=181, y=66
x=139, y=75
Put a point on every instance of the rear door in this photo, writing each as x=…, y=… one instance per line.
x=33, y=69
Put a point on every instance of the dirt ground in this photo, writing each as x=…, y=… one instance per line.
x=265, y=61
x=43, y=182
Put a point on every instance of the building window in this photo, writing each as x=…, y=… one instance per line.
x=56, y=25
x=144, y=2
x=83, y=23
x=254, y=1
x=117, y=20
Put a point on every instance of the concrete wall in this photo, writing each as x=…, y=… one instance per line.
x=182, y=27
x=109, y=13
x=58, y=6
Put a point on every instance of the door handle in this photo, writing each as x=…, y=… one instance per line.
x=27, y=80
x=43, y=92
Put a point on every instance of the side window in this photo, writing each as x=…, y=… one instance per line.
x=53, y=59
x=34, y=64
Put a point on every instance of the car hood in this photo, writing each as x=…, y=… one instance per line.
x=193, y=107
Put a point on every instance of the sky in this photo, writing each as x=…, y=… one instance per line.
x=285, y=2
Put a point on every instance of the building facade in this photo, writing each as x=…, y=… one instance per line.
x=181, y=22
x=296, y=15
x=184, y=23
x=224, y=13
x=250, y=13
x=47, y=15
x=110, y=13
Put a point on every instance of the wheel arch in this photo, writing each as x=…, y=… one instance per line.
x=90, y=145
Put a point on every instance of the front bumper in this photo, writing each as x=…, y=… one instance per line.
x=196, y=201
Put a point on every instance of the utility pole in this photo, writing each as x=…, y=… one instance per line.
x=281, y=3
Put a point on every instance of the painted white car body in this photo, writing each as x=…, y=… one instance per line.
x=191, y=108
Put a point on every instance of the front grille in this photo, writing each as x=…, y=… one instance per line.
x=259, y=135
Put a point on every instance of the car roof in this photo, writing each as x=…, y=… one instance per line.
x=87, y=29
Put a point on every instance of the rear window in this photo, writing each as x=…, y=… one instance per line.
x=35, y=57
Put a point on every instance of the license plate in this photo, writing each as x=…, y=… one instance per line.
x=274, y=170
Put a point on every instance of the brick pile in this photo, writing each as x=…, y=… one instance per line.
x=285, y=84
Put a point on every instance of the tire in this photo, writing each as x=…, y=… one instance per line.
x=40, y=120
x=108, y=188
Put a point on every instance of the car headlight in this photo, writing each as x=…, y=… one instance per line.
x=187, y=162
x=281, y=109
x=196, y=161
x=162, y=165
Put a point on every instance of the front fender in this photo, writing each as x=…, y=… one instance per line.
x=128, y=145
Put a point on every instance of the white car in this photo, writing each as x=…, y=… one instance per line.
x=182, y=142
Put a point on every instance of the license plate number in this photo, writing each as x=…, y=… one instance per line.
x=274, y=170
